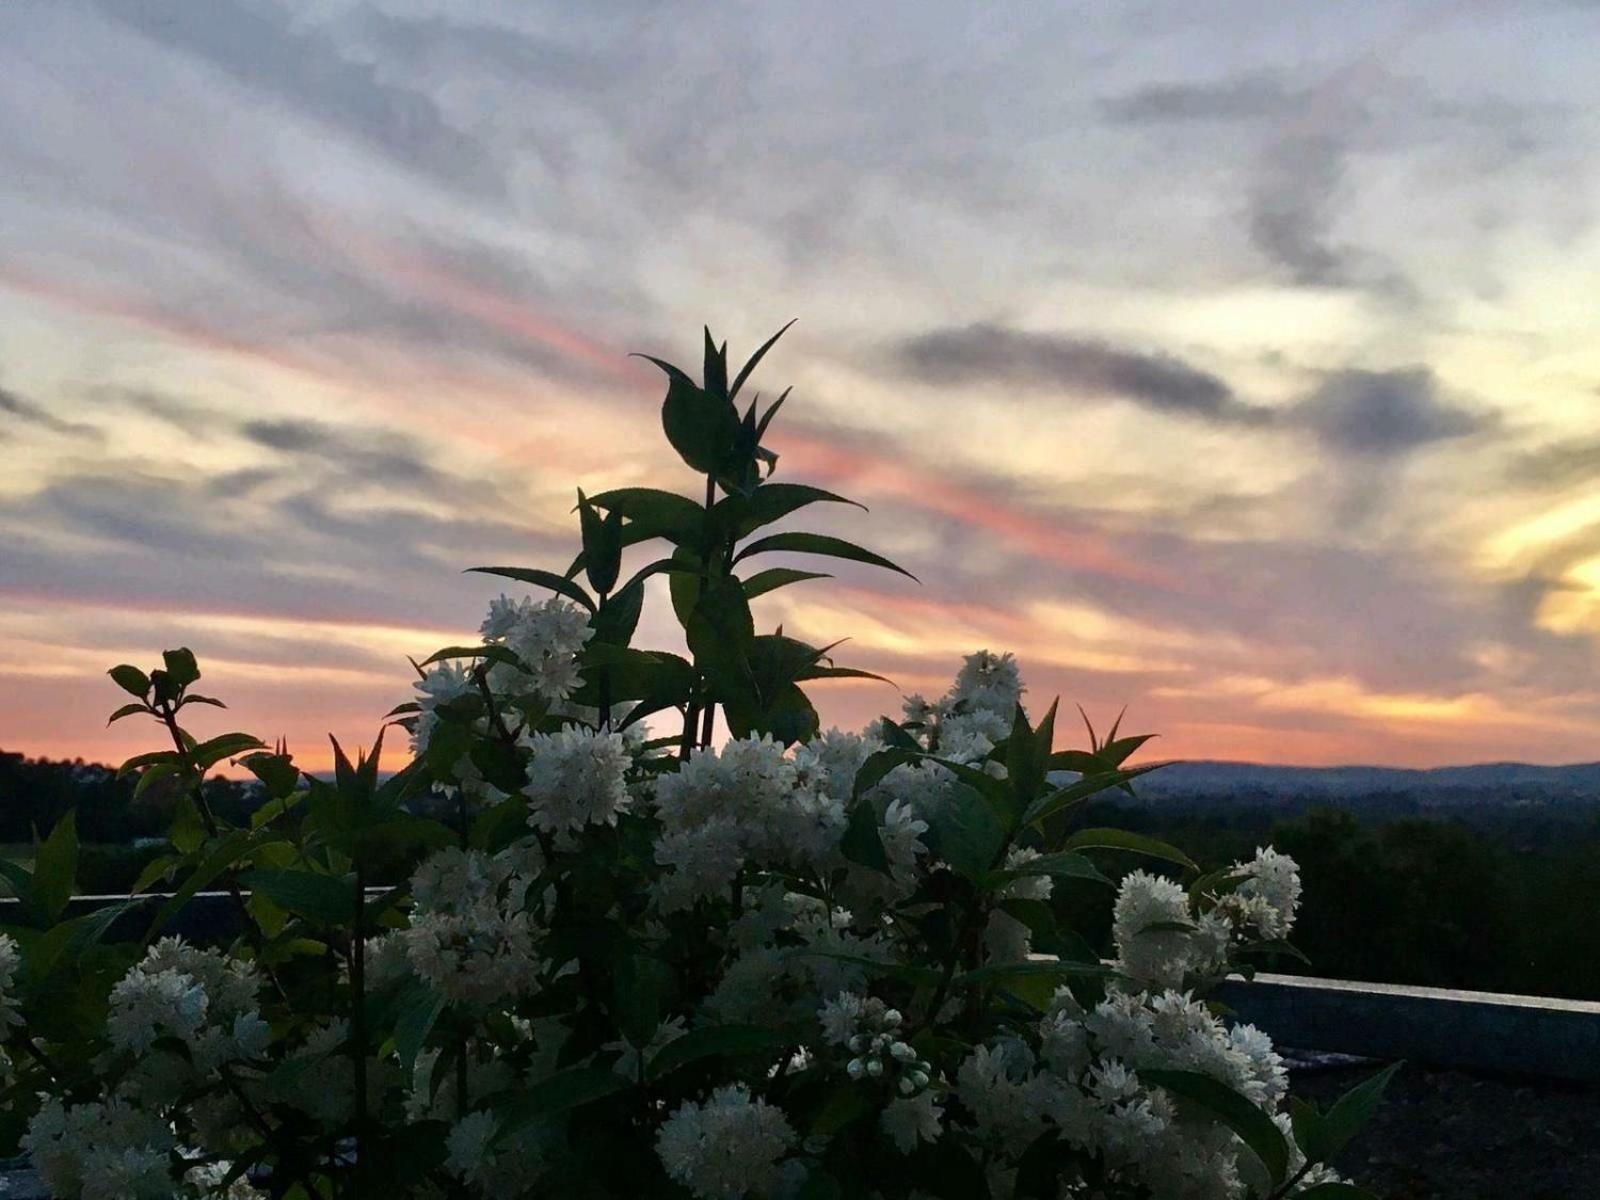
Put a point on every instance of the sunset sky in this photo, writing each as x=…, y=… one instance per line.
x=1238, y=363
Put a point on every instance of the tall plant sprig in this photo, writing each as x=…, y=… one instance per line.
x=754, y=679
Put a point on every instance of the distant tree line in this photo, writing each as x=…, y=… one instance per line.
x=1498, y=897
x=1503, y=901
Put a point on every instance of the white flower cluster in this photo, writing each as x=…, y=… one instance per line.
x=871, y=1032
x=546, y=638
x=1160, y=943
x=976, y=713
x=471, y=936
x=727, y=1148
x=1267, y=898
x=101, y=1150
x=10, y=961
x=510, y=1168
x=744, y=804
x=203, y=998
x=1085, y=1087
x=576, y=777
x=444, y=683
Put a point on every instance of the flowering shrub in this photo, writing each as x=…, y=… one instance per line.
x=792, y=963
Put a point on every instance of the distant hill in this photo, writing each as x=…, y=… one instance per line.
x=1459, y=791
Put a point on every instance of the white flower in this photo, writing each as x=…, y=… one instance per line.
x=576, y=778
x=744, y=803
x=546, y=639
x=208, y=1178
x=100, y=1150
x=10, y=960
x=1152, y=956
x=445, y=682
x=727, y=1148
x=203, y=998
x=1274, y=883
x=470, y=935
x=990, y=684
x=907, y=1121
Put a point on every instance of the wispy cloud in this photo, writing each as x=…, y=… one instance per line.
x=994, y=355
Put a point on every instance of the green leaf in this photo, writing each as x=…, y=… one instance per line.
x=701, y=427
x=639, y=983
x=153, y=758
x=964, y=831
x=1253, y=1126
x=69, y=939
x=1335, y=1191
x=419, y=1011
x=1122, y=839
x=1033, y=982
x=545, y=579
x=602, y=545
x=618, y=617
x=743, y=515
x=879, y=764
x=715, y=371
x=487, y=651
x=153, y=775
x=130, y=679
x=652, y=512
x=818, y=543
x=55, y=871
x=714, y=1041
x=558, y=1093
x=1075, y=793
x=227, y=745
x=861, y=842
x=755, y=360
x=127, y=710
x=720, y=634
x=20, y=882
x=225, y=855
x=276, y=771
x=1349, y=1114
x=182, y=669
x=774, y=578
x=325, y=898
x=1067, y=864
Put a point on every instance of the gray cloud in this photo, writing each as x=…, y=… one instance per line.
x=1558, y=465
x=359, y=456
x=33, y=414
x=1382, y=414
x=1292, y=202
x=262, y=48
x=994, y=353
x=1249, y=97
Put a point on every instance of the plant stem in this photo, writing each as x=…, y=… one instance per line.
x=358, y=1014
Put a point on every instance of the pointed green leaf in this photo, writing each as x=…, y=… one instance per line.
x=55, y=870
x=545, y=579
x=182, y=669
x=130, y=679
x=1135, y=843
x=818, y=543
x=128, y=710
x=714, y=1041
x=1253, y=1126
x=774, y=578
x=755, y=360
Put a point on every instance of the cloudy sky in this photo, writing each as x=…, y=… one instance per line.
x=1234, y=362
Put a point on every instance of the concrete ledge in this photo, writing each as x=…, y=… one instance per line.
x=1469, y=1031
